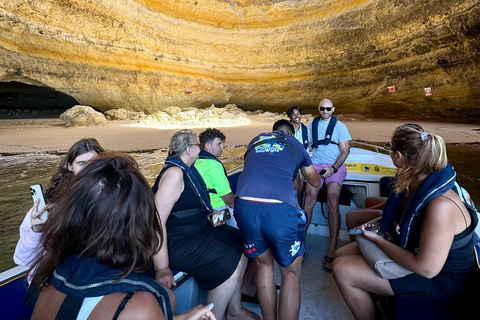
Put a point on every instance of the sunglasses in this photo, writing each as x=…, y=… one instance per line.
x=326, y=108
x=389, y=147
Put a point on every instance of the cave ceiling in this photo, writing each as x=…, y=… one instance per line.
x=148, y=55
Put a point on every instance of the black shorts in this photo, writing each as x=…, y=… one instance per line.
x=210, y=255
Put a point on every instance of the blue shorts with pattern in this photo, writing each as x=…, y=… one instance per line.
x=277, y=226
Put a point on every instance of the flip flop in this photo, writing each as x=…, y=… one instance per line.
x=326, y=260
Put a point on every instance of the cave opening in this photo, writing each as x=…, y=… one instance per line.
x=20, y=100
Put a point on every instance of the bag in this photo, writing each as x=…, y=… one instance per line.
x=345, y=196
x=379, y=261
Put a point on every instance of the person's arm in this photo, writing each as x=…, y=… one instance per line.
x=144, y=305
x=229, y=199
x=344, y=151
x=438, y=229
x=311, y=175
x=29, y=241
x=169, y=190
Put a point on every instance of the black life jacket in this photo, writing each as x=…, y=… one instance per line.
x=328, y=134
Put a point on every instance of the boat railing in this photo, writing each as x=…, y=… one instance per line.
x=365, y=145
x=235, y=170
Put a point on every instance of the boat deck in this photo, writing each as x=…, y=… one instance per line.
x=321, y=298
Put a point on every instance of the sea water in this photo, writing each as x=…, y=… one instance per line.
x=18, y=172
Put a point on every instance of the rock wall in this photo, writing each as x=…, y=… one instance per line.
x=148, y=55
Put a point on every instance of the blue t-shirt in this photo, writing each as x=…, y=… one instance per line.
x=268, y=170
x=328, y=153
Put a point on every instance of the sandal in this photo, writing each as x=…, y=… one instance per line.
x=326, y=260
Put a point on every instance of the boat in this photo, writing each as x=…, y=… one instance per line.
x=369, y=168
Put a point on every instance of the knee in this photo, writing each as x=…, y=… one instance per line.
x=341, y=269
x=332, y=203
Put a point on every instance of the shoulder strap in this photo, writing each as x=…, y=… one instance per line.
x=330, y=128
x=122, y=305
x=69, y=308
x=304, y=135
x=315, y=132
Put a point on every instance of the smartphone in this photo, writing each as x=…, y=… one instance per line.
x=322, y=172
x=37, y=193
x=373, y=228
x=223, y=215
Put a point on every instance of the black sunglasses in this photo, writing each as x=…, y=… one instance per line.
x=389, y=147
x=326, y=108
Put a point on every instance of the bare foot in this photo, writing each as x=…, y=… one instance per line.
x=244, y=314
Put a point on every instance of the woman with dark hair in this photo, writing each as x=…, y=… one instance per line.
x=431, y=230
x=301, y=134
x=30, y=229
x=98, y=241
x=210, y=251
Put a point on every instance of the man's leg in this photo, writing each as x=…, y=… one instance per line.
x=290, y=295
x=333, y=196
x=266, y=291
x=310, y=200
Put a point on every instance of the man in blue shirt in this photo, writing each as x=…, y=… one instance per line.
x=269, y=217
x=330, y=150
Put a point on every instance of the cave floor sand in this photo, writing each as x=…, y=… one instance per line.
x=51, y=135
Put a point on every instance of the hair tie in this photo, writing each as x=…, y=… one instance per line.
x=424, y=135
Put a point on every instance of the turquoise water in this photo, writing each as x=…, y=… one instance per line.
x=18, y=172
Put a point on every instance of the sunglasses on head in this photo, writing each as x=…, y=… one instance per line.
x=326, y=108
x=389, y=147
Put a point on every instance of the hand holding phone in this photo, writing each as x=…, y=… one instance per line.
x=36, y=191
x=218, y=216
x=322, y=172
x=372, y=227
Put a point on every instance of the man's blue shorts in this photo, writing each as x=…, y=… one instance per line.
x=277, y=226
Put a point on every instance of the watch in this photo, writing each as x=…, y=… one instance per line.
x=335, y=170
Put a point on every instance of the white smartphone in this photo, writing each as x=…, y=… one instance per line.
x=37, y=193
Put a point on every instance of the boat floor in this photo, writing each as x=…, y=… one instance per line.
x=321, y=298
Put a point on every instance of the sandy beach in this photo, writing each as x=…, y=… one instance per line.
x=51, y=135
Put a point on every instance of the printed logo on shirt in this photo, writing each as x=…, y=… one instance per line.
x=270, y=146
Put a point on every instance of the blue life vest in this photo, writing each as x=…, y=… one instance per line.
x=82, y=277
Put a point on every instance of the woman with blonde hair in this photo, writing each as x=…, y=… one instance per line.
x=209, y=250
x=431, y=229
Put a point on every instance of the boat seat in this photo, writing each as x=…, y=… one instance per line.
x=386, y=185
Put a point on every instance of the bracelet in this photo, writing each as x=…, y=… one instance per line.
x=335, y=170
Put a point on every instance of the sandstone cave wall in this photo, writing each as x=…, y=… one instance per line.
x=148, y=55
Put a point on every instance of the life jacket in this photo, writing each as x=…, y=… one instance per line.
x=280, y=137
x=406, y=231
x=81, y=277
x=304, y=136
x=194, y=179
x=328, y=135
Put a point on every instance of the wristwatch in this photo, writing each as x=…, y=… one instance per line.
x=335, y=170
